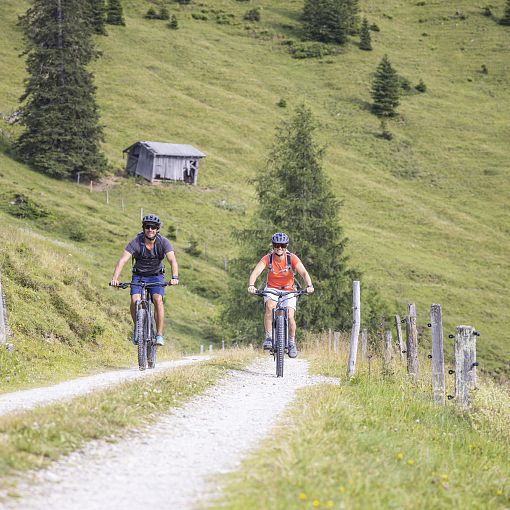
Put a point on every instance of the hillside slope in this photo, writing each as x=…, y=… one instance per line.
x=426, y=212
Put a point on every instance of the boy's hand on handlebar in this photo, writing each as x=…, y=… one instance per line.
x=310, y=289
x=114, y=283
x=252, y=289
x=174, y=281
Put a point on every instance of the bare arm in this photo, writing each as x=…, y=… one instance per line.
x=254, y=275
x=170, y=256
x=300, y=268
x=118, y=268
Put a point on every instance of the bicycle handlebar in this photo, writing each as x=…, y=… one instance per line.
x=281, y=292
x=125, y=285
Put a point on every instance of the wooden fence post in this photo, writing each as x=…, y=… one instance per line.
x=223, y=345
x=3, y=318
x=436, y=323
x=465, y=364
x=210, y=348
x=330, y=333
x=356, y=322
x=336, y=341
x=388, y=352
x=400, y=342
x=413, y=368
x=364, y=344
x=201, y=349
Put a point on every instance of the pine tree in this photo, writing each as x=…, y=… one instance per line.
x=62, y=133
x=173, y=23
x=163, y=13
x=98, y=16
x=326, y=21
x=295, y=197
x=385, y=89
x=505, y=20
x=365, y=42
x=114, y=15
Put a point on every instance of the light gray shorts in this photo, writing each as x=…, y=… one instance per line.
x=289, y=303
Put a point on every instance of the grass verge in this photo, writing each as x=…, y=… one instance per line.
x=378, y=442
x=33, y=439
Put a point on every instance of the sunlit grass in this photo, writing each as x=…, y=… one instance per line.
x=378, y=441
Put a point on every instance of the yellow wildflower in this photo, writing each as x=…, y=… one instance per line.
x=499, y=492
x=302, y=496
x=400, y=455
x=410, y=462
x=316, y=503
x=328, y=504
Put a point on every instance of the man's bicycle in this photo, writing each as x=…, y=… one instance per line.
x=280, y=324
x=145, y=324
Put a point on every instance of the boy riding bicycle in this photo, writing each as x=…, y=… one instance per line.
x=149, y=249
x=281, y=267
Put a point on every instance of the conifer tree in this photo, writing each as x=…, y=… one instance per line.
x=385, y=89
x=330, y=21
x=294, y=196
x=173, y=23
x=365, y=41
x=98, y=16
x=505, y=20
x=62, y=133
x=114, y=15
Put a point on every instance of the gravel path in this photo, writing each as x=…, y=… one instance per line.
x=27, y=399
x=167, y=466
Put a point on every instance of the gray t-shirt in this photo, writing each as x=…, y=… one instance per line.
x=148, y=262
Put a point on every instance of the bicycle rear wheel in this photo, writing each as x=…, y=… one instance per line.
x=151, y=344
x=280, y=344
x=141, y=337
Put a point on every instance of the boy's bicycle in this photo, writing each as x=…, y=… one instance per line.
x=145, y=324
x=280, y=324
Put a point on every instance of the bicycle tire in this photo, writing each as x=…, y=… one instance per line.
x=280, y=344
x=141, y=337
x=151, y=344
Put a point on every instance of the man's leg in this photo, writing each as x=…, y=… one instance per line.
x=292, y=333
x=268, y=323
x=159, y=315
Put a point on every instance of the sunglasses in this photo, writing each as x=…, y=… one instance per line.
x=279, y=246
x=150, y=227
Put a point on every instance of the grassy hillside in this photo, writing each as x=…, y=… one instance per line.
x=426, y=212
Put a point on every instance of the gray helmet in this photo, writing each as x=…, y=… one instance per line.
x=152, y=219
x=280, y=238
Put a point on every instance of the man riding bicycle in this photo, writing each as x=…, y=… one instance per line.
x=149, y=249
x=281, y=267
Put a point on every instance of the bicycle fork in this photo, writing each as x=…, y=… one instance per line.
x=278, y=312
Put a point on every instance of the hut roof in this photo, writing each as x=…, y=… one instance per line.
x=170, y=149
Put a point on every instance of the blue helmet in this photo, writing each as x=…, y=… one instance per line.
x=151, y=219
x=280, y=238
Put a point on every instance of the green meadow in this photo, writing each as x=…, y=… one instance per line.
x=426, y=213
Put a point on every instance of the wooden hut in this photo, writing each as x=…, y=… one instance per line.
x=157, y=161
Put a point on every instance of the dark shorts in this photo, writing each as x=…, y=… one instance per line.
x=148, y=279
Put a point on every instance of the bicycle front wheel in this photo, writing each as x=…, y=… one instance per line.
x=141, y=337
x=151, y=344
x=280, y=344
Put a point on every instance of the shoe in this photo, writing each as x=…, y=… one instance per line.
x=292, y=350
x=160, y=340
x=133, y=339
x=268, y=344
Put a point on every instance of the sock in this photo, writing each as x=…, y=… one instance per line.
x=269, y=335
x=292, y=340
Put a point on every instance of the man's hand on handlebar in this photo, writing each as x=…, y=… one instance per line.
x=310, y=289
x=252, y=289
x=114, y=282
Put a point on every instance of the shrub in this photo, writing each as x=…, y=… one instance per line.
x=484, y=69
x=173, y=23
x=193, y=249
x=184, y=2
x=253, y=14
x=309, y=50
x=171, y=232
x=151, y=14
x=421, y=87
x=24, y=207
x=375, y=27
x=386, y=134
x=163, y=13
x=199, y=16
x=282, y=103
x=404, y=84
x=487, y=11
x=224, y=18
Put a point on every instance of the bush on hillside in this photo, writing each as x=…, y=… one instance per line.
x=151, y=14
x=192, y=248
x=421, y=87
x=199, y=16
x=282, y=103
x=173, y=24
x=24, y=207
x=309, y=50
x=253, y=14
